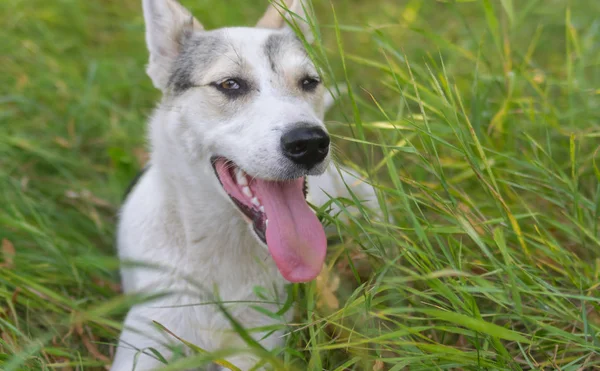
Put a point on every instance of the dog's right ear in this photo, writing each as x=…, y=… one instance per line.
x=168, y=24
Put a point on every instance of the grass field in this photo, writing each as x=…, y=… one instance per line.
x=478, y=121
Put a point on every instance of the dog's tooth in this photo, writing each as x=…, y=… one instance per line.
x=255, y=201
x=266, y=223
x=262, y=209
x=246, y=191
x=240, y=177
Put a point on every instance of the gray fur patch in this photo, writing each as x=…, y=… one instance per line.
x=277, y=43
x=197, y=53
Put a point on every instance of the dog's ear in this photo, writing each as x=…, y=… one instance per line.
x=280, y=12
x=168, y=24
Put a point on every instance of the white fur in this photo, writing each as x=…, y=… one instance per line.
x=178, y=219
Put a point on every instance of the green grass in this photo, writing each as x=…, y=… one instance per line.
x=478, y=121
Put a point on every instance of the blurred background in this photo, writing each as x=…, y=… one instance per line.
x=477, y=121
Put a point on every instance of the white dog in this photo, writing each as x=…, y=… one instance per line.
x=221, y=209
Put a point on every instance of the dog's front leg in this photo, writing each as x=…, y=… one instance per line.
x=141, y=339
x=248, y=361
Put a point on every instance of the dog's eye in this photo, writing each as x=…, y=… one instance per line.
x=309, y=83
x=230, y=84
x=231, y=87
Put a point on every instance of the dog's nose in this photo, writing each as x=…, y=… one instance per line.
x=305, y=146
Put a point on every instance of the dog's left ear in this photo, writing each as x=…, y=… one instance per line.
x=280, y=12
x=168, y=24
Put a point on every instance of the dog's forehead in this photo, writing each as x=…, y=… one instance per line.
x=249, y=43
x=250, y=37
x=235, y=46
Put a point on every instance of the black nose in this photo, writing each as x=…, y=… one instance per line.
x=305, y=146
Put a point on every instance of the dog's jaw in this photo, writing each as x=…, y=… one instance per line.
x=248, y=204
x=295, y=239
x=241, y=195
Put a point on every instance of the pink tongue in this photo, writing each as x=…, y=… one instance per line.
x=295, y=236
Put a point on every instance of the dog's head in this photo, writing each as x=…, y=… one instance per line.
x=245, y=106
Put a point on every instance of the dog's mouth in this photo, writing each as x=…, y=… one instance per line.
x=281, y=219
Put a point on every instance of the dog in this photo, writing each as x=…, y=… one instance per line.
x=221, y=208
